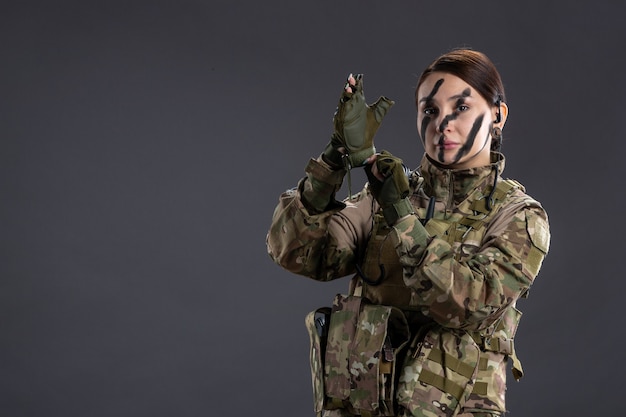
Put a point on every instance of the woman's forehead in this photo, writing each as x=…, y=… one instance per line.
x=438, y=85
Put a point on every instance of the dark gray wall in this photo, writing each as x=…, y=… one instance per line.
x=144, y=145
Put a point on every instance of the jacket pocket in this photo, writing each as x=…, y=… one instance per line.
x=439, y=375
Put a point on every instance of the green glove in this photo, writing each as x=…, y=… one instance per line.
x=356, y=123
x=392, y=192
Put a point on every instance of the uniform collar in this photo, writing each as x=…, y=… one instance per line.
x=444, y=183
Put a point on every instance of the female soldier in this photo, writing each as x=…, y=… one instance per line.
x=452, y=246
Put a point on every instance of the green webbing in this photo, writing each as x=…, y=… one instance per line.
x=498, y=344
x=476, y=222
x=441, y=383
x=480, y=388
x=450, y=362
x=494, y=344
x=502, y=189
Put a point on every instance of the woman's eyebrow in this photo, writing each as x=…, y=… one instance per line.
x=466, y=93
x=429, y=98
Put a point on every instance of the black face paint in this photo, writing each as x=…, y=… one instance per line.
x=427, y=100
x=429, y=97
x=455, y=113
x=425, y=122
x=440, y=143
x=471, y=137
x=448, y=118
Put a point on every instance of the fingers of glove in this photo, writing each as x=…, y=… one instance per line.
x=354, y=83
x=386, y=162
x=375, y=183
x=383, y=191
x=350, y=118
x=371, y=168
x=350, y=84
x=349, y=103
x=392, y=168
x=401, y=180
x=373, y=177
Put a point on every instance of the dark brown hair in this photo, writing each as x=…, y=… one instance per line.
x=473, y=67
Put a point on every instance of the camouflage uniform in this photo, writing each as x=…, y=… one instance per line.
x=457, y=279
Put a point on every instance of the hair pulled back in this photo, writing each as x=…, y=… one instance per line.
x=473, y=67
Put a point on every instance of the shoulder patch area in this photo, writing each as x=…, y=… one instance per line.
x=538, y=230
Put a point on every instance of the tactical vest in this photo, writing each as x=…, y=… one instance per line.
x=464, y=229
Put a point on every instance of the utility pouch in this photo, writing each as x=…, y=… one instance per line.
x=359, y=360
x=438, y=376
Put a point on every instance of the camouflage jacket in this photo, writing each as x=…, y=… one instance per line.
x=464, y=270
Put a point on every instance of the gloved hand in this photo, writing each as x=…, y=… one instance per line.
x=392, y=192
x=355, y=125
x=333, y=154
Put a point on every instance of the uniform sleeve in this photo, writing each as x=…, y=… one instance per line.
x=313, y=235
x=472, y=294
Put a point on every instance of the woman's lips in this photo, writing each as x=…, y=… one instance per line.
x=447, y=144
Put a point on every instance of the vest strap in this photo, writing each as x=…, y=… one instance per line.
x=501, y=345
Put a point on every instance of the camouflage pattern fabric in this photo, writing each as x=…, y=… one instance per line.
x=316, y=323
x=463, y=271
x=360, y=359
x=438, y=377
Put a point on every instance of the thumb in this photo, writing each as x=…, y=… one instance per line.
x=381, y=107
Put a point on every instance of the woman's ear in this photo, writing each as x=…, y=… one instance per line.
x=503, y=111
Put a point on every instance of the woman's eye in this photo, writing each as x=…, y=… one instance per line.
x=430, y=111
x=462, y=107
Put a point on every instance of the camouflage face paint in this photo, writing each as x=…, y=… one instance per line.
x=440, y=143
x=428, y=99
x=444, y=123
x=471, y=137
x=460, y=101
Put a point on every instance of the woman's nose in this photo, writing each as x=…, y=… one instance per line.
x=442, y=122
